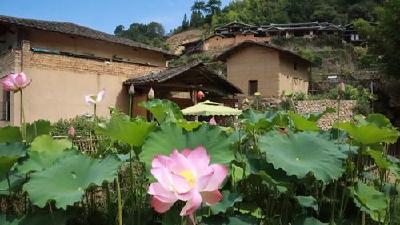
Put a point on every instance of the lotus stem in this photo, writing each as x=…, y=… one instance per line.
x=9, y=183
x=22, y=117
x=94, y=112
x=119, y=201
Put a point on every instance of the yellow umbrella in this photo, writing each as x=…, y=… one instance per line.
x=209, y=108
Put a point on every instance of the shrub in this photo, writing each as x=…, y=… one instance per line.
x=83, y=126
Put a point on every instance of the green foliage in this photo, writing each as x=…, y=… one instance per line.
x=268, y=11
x=367, y=134
x=9, y=154
x=307, y=202
x=311, y=55
x=83, y=126
x=369, y=200
x=10, y=134
x=309, y=221
x=121, y=128
x=170, y=137
x=227, y=202
x=282, y=170
x=302, y=123
x=385, y=38
x=303, y=153
x=152, y=33
x=37, y=128
x=362, y=95
x=43, y=153
x=163, y=110
x=74, y=174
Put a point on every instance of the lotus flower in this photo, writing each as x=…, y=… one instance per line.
x=94, y=99
x=342, y=87
x=188, y=177
x=71, y=132
x=200, y=95
x=212, y=121
x=15, y=82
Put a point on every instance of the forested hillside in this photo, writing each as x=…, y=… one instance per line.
x=210, y=14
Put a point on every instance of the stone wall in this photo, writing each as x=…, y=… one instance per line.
x=319, y=106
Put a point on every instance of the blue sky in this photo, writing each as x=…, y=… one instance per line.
x=102, y=15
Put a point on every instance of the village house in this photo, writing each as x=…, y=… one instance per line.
x=225, y=37
x=66, y=62
x=234, y=33
x=256, y=67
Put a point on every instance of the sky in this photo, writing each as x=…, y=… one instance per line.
x=102, y=15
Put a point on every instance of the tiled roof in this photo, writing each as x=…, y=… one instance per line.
x=170, y=73
x=226, y=54
x=75, y=29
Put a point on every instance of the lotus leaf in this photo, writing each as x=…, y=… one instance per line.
x=307, y=202
x=170, y=136
x=8, y=221
x=227, y=202
x=302, y=123
x=188, y=125
x=65, y=182
x=9, y=154
x=10, y=134
x=302, y=153
x=308, y=221
x=257, y=121
x=369, y=133
x=163, y=110
x=379, y=120
x=121, y=128
x=237, y=220
x=16, y=181
x=37, y=128
x=44, y=152
x=370, y=201
x=379, y=158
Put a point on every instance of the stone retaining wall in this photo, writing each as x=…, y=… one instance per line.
x=319, y=106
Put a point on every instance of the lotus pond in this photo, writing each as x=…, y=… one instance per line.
x=269, y=167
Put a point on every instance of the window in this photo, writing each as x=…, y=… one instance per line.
x=295, y=66
x=5, y=106
x=253, y=87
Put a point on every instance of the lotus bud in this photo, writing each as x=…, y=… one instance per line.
x=200, y=95
x=71, y=132
x=150, y=95
x=131, y=90
x=342, y=87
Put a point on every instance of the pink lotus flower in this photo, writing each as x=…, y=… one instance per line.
x=15, y=82
x=71, y=132
x=200, y=95
x=94, y=99
x=212, y=121
x=188, y=177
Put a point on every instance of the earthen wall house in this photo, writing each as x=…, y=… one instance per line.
x=268, y=69
x=66, y=62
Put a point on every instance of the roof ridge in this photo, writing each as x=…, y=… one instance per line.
x=56, y=26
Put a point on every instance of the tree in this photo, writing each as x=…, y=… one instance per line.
x=198, y=10
x=185, y=23
x=212, y=8
x=152, y=33
x=387, y=42
x=119, y=29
